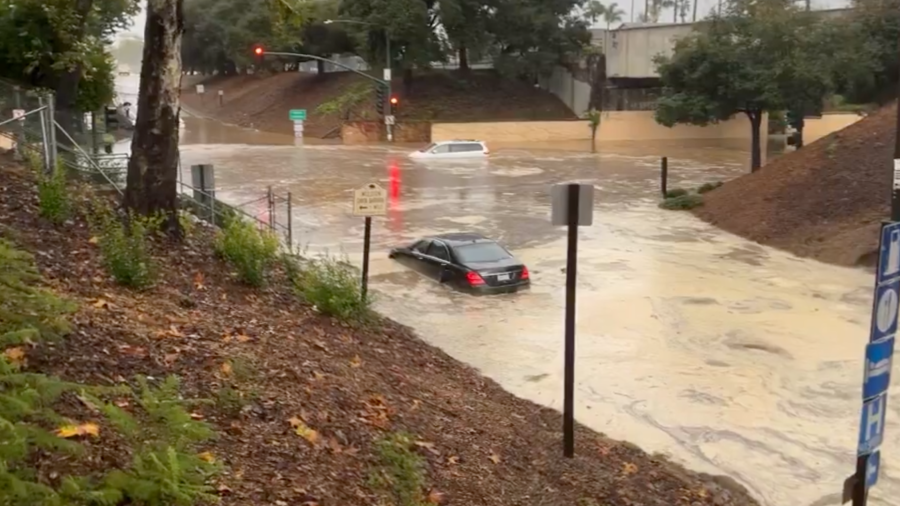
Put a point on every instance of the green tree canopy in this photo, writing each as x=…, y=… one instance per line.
x=61, y=45
x=757, y=57
x=525, y=37
x=864, y=51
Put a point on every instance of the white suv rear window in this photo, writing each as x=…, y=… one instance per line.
x=465, y=147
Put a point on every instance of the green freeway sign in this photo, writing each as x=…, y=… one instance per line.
x=297, y=114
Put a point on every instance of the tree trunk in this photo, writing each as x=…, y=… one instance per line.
x=755, y=144
x=694, y=17
x=320, y=67
x=153, y=167
x=801, y=124
x=675, y=11
x=463, y=58
x=67, y=87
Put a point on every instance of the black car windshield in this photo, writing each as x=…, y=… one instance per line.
x=480, y=252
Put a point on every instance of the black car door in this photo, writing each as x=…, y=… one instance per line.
x=438, y=257
x=418, y=258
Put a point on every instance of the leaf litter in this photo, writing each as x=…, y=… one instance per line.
x=302, y=376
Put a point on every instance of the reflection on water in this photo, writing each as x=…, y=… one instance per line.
x=730, y=357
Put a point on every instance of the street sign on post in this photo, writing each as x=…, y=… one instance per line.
x=878, y=361
x=390, y=120
x=572, y=206
x=368, y=201
x=18, y=114
x=297, y=114
x=201, y=89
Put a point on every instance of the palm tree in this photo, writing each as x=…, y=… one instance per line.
x=612, y=14
x=594, y=11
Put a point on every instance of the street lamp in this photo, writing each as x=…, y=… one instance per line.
x=387, y=61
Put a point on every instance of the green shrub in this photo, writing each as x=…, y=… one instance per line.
x=333, y=286
x=27, y=312
x=252, y=252
x=125, y=246
x=676, y=192
x=401, y=471
x=53, y=196
x=682, y=202
x=166, y=469
x=708, y=187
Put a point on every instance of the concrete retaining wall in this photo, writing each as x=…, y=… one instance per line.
x=816, y=128
x=364, y=132
x=615, y=126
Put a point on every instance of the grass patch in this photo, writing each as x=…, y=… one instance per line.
x=682, y=202
x=252, y=252
x=125, y=246
x=400, y=475
x=676, y=192
x=333, y=286
x=708, y=187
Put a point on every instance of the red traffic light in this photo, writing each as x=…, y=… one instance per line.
x=258, y=50
x=394, y=101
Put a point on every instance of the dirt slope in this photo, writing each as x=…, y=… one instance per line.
x=825, y=201
x=263, y=102
x=481, y=445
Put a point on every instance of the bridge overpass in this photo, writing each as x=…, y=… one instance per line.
x=631, y=47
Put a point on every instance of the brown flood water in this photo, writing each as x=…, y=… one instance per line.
x=729, y=357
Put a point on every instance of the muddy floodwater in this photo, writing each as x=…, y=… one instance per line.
x=728, y=357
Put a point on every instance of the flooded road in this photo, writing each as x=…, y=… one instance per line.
x=729, y=357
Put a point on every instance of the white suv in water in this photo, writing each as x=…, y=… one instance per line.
x=453, y=149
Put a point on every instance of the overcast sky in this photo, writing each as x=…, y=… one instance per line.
x=703, y=7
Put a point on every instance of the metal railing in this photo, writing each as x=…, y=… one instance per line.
x=28, y=125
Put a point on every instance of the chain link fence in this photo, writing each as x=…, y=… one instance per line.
x=30, y=127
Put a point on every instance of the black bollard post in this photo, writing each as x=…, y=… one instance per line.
x=664, y=176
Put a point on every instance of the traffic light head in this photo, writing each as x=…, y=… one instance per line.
x=394, y=101
x=258, y=50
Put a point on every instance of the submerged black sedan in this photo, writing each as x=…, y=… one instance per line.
x=468, y=262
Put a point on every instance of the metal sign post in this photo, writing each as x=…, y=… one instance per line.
x=878, y=361
x=298, y=116
x=368, y=201
x=572, y=206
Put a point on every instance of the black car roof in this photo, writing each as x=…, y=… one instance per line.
x=461, y=238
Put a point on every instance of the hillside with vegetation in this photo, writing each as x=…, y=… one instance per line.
x=139, y=370
x=263, y=101
x=524, y=40
x=827, y=199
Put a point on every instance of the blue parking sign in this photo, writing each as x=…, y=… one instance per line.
x=871, y=424
x=873, y=469
x=885, y=309
x=877, y=376
x=889, y=254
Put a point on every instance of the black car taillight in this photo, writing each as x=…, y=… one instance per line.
x=474, y=278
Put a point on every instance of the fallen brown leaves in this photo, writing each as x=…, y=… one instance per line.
x=84, y=429
x=305, y=425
